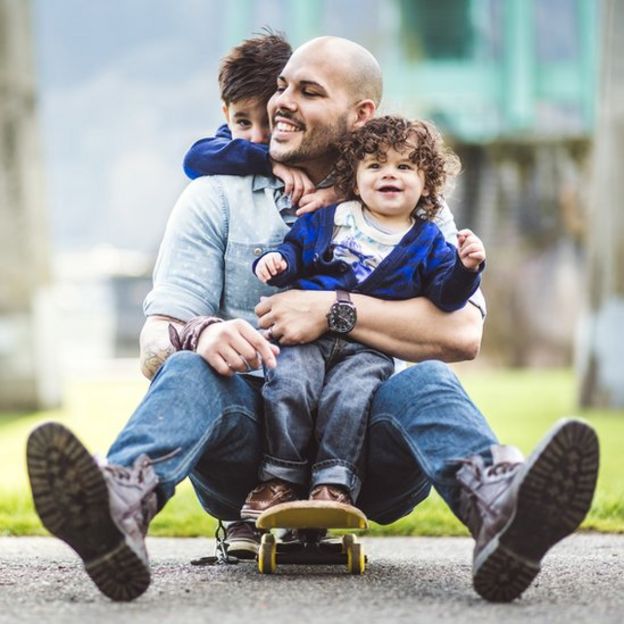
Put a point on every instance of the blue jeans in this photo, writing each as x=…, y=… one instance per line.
x=316, y=404
x=421, y=421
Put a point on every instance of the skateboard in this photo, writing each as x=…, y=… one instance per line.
x=311, y=519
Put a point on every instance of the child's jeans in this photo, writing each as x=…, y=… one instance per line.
x=316, y=405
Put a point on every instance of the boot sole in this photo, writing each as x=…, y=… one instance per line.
x=71, y=498
x=553, y=497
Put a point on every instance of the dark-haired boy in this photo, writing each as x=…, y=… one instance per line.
x=247, y=80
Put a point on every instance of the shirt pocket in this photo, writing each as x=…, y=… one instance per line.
x=242, y=289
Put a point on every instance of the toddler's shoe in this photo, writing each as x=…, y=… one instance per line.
x=331, y=493
x=266, y=495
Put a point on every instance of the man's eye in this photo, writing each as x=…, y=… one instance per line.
x=310, y=93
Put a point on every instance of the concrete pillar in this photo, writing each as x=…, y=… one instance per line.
x=601, y=336
x=28, y=363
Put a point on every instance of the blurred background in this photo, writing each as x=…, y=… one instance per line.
x=100, y=100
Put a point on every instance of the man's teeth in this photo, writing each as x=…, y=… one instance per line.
x=284, y=126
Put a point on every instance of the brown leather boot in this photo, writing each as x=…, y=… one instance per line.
x=102, y=512
x=266, y=495
x=517, y=511
x=331, y=493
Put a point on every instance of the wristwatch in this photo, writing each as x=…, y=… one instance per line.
x=342, y=315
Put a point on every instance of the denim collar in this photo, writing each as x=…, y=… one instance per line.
x=261, y=182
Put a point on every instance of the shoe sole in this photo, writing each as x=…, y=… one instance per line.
x=242, y=549
x=553, y=498
x=71, y=498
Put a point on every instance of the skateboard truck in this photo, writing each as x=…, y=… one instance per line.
x=311, y=519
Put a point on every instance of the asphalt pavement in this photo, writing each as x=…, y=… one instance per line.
x=408, y=580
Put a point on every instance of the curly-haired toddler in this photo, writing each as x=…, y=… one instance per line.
x=381, y=242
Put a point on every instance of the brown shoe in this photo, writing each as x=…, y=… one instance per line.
x=517, y=511
x=102, y=512
x=242, y=539
x=266, y=495
x=331, y=493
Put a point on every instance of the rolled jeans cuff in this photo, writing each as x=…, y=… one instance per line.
x=336, y=472
x=296, y=472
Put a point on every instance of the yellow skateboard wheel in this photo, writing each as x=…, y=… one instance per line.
x=356, y=561
x=267, y=554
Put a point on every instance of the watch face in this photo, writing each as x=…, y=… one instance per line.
x=342, y=318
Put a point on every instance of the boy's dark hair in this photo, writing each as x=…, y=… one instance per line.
x=427, y=151
x=251, y=69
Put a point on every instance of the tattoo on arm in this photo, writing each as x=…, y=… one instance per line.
x=154, y=354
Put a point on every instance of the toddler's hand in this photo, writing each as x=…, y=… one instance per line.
x=471, y=249
x=296, y=182
x=269, y=266
x=318, y=199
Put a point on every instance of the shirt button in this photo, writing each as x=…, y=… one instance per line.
x=257, y=251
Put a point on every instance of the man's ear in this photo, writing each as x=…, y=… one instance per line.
x=363, y=111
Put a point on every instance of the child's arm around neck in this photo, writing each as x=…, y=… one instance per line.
x=222, y=155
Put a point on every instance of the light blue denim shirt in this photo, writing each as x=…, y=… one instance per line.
x=218, y=227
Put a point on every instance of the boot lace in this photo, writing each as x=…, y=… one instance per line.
x=475, y=504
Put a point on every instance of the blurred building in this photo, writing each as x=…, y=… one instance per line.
x=512, y=83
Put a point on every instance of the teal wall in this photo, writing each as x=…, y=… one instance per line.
x=481, y=69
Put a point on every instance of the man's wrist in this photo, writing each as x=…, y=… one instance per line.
x=342, y=315
x=188, y=338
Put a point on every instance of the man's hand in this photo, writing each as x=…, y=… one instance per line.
x=471, y=249
x=296, y=182
x=269, y=266
x=318, y=199
x=235, y=347
x=295, y=316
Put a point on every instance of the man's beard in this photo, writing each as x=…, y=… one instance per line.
x=322, y=143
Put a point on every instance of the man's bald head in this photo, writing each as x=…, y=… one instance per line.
x=329, y=87
x=358, y=68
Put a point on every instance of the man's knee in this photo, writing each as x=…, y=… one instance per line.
x=187, y=362
x=412, y=389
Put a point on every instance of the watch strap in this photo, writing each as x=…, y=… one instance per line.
x=343, y=296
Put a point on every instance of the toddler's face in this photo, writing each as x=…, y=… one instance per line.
x=248, y=119
x=391, y=186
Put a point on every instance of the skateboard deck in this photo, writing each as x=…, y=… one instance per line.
x=311, y=519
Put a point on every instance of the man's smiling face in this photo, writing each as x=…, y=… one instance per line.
x=309, y=114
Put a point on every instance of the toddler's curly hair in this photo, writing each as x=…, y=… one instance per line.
x=427, y=151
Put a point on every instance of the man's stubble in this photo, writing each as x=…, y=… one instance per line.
x=321, y=144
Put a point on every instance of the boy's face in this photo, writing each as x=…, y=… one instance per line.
x=248, y=119
x=390, y=187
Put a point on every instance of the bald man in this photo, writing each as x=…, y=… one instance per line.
x=201, y=417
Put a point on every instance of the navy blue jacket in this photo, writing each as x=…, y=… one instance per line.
x=422, y=264
x=223, y=155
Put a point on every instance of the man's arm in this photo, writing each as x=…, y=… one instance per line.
x=416, y=330
x=188, y=282
x=413, y=330
x=155, y=344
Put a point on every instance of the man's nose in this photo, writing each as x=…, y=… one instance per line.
x=285, y=100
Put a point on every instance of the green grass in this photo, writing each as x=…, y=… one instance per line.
x=520, y=406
